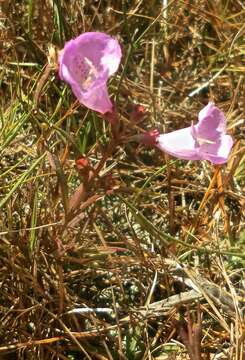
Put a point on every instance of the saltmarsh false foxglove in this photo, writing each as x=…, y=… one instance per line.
x=207, y=140
x=86, y=63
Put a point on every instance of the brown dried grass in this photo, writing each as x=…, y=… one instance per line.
x=121, y=252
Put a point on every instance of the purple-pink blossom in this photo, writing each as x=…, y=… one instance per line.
x=86, y=63
x=207, y=140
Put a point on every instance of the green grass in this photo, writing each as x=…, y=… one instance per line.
x=141, y=227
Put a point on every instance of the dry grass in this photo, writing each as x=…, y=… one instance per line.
x=156, y=243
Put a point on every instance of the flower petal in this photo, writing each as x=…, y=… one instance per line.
x=211, y=124
x=217, y=153
x=96, y=99
x=101, y=49
x=180, y=144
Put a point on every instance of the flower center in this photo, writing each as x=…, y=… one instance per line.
x=86, y=72
x=198, y=139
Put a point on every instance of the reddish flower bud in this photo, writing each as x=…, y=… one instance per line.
x=82, y=163
x=138, y=113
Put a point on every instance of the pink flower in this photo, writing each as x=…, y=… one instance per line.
x=207, y=140
x=86, y=63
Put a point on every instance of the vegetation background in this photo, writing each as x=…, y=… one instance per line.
x=151, y=229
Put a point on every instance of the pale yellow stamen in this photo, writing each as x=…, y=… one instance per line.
x=92, y=73
x=204, y=141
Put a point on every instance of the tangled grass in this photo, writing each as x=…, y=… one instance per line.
x=150, y=264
